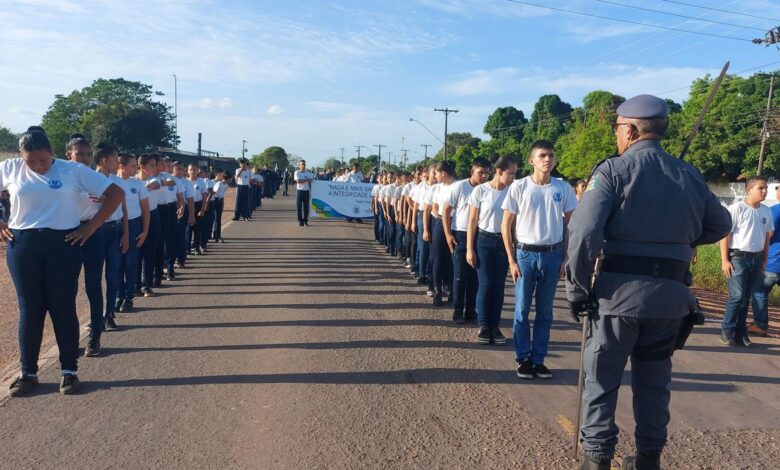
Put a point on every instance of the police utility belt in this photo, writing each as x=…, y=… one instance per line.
x=664, y=268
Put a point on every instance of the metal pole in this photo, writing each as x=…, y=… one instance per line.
x=764, y=128
x=426, y=149
x=446, y=112
x=176, y=108
x=706, y=106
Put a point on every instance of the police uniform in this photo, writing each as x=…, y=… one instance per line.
x=643, y=211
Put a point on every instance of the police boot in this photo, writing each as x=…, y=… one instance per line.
x=590, y=463
x=648, y=461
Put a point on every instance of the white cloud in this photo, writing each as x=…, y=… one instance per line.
x=620, y=79
x=221, y=103
x=274, y=109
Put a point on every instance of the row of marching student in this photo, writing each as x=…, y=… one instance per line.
x=460, y=238
x=134, y=221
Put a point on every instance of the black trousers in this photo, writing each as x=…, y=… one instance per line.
x=302, y=204
x=166, y=246
x=242, y=202
x=219, y=206
x=196, y=231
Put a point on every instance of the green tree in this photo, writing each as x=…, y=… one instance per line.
x=9, y=142
x=333, y=163
x=274, y=157
x=505, y=122
x=115, y=111
x=455, y=140
x=550, y=119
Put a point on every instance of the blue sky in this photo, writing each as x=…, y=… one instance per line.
x=315, y=76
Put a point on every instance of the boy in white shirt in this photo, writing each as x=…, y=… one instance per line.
x=744, y=256
x=536, y=211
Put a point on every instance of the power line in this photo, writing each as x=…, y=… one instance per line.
x=720, y=9
x=646, y=39
x=628, y=21
x=677, y=15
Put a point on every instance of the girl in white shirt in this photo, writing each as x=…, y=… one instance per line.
x=45, y=249
x=200, y=198
x=220, y=187
x=147, y=173
x=138, y=220
x=440, y=252
x=485, y=249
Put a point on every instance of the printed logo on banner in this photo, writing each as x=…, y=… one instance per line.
x=356, y=210
x=55, y=184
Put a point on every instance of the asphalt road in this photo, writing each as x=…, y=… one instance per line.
x=306, y=347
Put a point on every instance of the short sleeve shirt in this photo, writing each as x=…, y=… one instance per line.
x=750, y=227
x=539, y=210
x=459, y=201
x=303, y=175
x=48, y=200
x=488, y=202
x=243, y=177
x=135, y=192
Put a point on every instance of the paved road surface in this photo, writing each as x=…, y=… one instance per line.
x=292, y=347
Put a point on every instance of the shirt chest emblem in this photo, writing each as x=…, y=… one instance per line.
x=558, y=197
x=133, y=190
x=55, y=184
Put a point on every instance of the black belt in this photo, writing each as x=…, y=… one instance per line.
x=740, y=253
x=664, y=268
x=494, y=236
x=538, y=248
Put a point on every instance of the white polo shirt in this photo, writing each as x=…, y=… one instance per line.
x=135, y=192
x=299, y=175
x=750, y=226
x=89, y=207
x=354, y=177
x=168, y=193
x=539, y=210
x=459, y=200
x=49, y=200
x=375, y=191
x=488, y=202
x=220, y=188
x=198, y=187
x=154, y=194
x=441, y=195
x=188, y=188
x=243, y=177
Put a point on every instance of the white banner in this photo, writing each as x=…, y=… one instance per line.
x=341, y=199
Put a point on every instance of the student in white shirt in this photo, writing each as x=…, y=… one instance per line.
x=440, y=252
x=303, y=180
x=220, y=187
x=147, y=173
x=412, y=220
x=208, y=210
x=405, y=204
x=389, y=212
x=485, y=248
x=137, y=204
x=199, y=197
x=355, y=176
x=45, y=246
x=187, y=221
x=375, y=210
x=166, y=209
x=243, y=178
x=743, y=255
x=398, y=208
x=536, y=212
x=258, y=188
x=424, y=224
x=455, y=218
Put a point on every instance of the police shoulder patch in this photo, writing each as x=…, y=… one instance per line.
x=593, y=183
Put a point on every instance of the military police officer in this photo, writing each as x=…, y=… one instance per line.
x=640, y=216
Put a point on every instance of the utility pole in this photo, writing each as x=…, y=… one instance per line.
x=446, y=112
x=772, y=37
x=176, y=108
x=379, y=163
x=426, y=149
x=358, y=147
x=243, y=149
x=404, y=160
x=342, y=156
x=765, y=127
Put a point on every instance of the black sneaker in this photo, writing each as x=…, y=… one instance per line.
x=128, y=306
x=170, y=277
x=430, y=292
x=157, y=283
x=422, y=280
x=22, y=385
x=541, y=371
x=118, y=305
x=457, y=317
x=744, y=341
x=437, y=300
x=727, y=338
x=93, y=348
x=471, y=316
x=483, y=337
x=446, y=291
x=69, y=384
x=525, y=369
x=498, y=337
x=147, y=292
x=110, y=324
